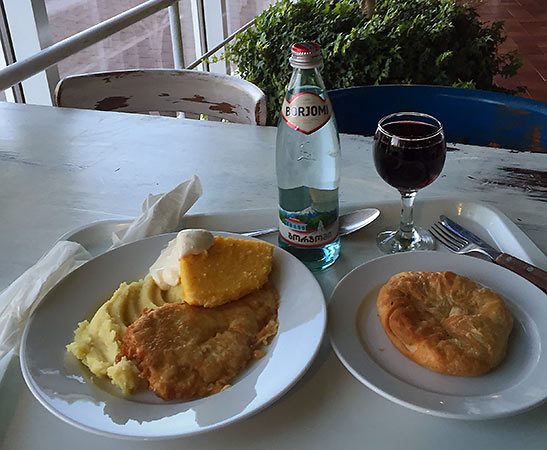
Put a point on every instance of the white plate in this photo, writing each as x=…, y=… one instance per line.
x=96, y=237
x=68, y=390
x=360, y=342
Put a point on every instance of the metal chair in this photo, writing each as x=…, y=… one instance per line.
x=468, y=116
x=166, y=91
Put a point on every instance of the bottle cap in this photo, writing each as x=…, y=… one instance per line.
x=305, y=55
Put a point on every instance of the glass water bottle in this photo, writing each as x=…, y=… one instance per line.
x=308, y=164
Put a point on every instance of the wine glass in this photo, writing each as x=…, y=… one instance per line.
x=409, y=154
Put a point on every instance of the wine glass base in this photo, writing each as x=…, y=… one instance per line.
x=395, y=242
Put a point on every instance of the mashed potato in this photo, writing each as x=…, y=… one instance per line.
x=98, y=342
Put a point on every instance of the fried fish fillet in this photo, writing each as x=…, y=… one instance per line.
x=187, y=352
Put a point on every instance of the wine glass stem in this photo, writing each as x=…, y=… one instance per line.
x=406, y=228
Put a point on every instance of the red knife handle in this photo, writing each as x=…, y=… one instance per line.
x=531, y=273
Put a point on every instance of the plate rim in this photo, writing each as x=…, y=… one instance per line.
x=532, y=253
x=36, y=390
x=355, y=304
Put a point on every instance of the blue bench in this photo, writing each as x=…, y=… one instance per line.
x=468, y=116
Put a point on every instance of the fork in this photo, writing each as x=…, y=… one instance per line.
x=458, y=244
x=454, y=242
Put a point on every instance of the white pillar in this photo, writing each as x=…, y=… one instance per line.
x=210, y=28
x=29, y=29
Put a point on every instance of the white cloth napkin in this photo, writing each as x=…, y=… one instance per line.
x=162, y=213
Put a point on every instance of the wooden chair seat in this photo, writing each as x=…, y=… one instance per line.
x=166, y=91
x=468, y=116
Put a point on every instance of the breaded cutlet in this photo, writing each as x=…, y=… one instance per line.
x=186, y=352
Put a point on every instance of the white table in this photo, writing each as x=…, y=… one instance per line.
x=61, y=168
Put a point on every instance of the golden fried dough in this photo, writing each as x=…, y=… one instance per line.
x=445, y=322
x=228, y=270
x=187, y=351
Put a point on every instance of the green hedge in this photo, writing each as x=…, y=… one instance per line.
x=405, y=41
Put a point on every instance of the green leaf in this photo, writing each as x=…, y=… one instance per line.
x=405, y=41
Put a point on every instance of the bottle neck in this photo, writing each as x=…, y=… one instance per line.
x=302, y=79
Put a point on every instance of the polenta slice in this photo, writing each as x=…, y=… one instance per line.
x=228, y=270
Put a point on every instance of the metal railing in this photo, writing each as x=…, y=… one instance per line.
x=222, y=44
x=22, y=70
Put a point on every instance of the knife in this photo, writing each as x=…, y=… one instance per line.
x=532, y=273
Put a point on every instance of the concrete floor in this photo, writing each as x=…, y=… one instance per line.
x=146, y=44
x=525, y=22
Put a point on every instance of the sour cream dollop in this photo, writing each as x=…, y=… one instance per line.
x=166, y=270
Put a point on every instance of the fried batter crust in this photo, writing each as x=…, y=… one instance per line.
x=187, y=352
x=445, y=322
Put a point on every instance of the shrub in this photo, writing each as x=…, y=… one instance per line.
x=405, y=41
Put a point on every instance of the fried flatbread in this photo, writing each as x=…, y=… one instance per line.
x=228, y=270
x=445, y=322
x=187, y=352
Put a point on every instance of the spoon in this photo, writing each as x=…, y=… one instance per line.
x=349, y=222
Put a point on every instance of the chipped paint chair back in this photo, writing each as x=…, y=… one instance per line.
x=172, y=91
x=468, y=116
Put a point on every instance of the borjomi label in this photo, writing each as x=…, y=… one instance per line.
x=306, y=112
x=308, y=228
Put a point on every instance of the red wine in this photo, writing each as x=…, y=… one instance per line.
x=410, y=155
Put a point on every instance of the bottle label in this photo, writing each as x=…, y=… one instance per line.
x=308, y=230
x=306, y=112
